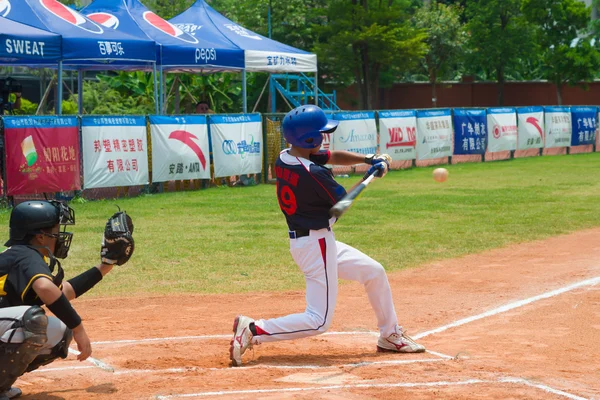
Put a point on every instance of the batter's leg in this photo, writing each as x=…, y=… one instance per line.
x=354, y=265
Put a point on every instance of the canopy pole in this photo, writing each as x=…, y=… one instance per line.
x=156, y=103
x=59, y=90
x=316, y=88
x=80, y=91
x=162, y=91
x=273, y=95
x=244, y=93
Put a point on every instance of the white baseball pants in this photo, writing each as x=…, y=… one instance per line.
x=322, y=260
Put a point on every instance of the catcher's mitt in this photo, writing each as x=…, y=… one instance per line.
x=117, y=243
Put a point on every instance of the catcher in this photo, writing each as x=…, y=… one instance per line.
x=31, y=276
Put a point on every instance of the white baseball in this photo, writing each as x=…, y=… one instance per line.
x=440, y=174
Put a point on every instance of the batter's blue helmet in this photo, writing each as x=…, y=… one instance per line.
x=303, y=126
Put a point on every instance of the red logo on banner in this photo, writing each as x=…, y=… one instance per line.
x=534, y=121
x=105, y=19
x=186, y=138
x=42, y=159
x=70, y=16
x=168, y=28
x=496, y=131
x=4, y=7
x=397, y=137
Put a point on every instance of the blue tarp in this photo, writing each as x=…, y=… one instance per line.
x=261, y=53
x=82, y=39
x=22, y=44
x=177, y=50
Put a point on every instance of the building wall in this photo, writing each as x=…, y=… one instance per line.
x=477, y=94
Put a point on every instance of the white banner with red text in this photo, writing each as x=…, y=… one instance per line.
x=398, y=134
x=502, y=129
x=114, y=151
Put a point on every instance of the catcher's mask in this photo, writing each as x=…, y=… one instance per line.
x=31, y=217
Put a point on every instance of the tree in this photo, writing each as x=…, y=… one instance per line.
x=361, y=39
x=562, y=32
x=446, y=38
x=499, y=38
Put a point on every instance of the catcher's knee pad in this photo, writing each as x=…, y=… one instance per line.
x=16, y=357
x=61, y=350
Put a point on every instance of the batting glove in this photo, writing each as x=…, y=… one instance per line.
x=380, y=169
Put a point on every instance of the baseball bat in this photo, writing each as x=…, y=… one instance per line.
x=346, y=202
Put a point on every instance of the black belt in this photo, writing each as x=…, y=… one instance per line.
x=298, y=233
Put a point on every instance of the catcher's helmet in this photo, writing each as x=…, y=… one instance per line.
x=30, y=217
x=303, y=126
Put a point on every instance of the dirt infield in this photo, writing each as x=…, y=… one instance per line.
x=521, y=322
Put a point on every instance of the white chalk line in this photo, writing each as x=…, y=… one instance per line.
x=207, y=337
x=542, y=387
x=510, y=306
x=517, y=381
x=98, y=363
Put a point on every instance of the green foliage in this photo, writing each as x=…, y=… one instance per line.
x=27, y=107
x=361, y=41
x=500, y=38
x=559, y=23
x=446, y=38
x=222, y=91
x=101, y=98
x=168, y=9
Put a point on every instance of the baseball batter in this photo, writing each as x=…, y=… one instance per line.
x=306, y=190
x=31, y=276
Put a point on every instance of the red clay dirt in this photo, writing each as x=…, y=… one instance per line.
x=553, y=343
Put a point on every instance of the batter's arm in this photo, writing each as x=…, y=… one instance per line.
x=342, y=157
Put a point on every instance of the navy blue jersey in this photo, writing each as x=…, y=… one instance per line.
x=306, y=190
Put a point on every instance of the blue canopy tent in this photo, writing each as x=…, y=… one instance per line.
x=261, y=54
x=21, y=44
x=85, y=44
x=177, y=51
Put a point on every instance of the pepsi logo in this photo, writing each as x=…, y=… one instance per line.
x=4, y=7
x=105, y=19
x=168, y=28
x=70, y=16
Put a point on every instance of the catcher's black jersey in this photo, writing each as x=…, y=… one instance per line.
x=20, y=266
x=306, y=190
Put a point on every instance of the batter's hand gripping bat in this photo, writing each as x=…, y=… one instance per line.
x=346, y=202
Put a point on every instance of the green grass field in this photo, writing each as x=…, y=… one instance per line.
x=232, y=240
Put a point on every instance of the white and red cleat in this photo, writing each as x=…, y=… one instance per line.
x=242, y=339
x=399, y=342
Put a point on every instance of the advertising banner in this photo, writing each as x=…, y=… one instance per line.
x=583, y=122
x=115, y=151
x=434, y=134
x=557, y=121
x=357, y=132
x=236, y=144
x=502, y=129
x=398, y=134
x=180, y=148
x=42, y=154
x=470, y=131
x=531, y=128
